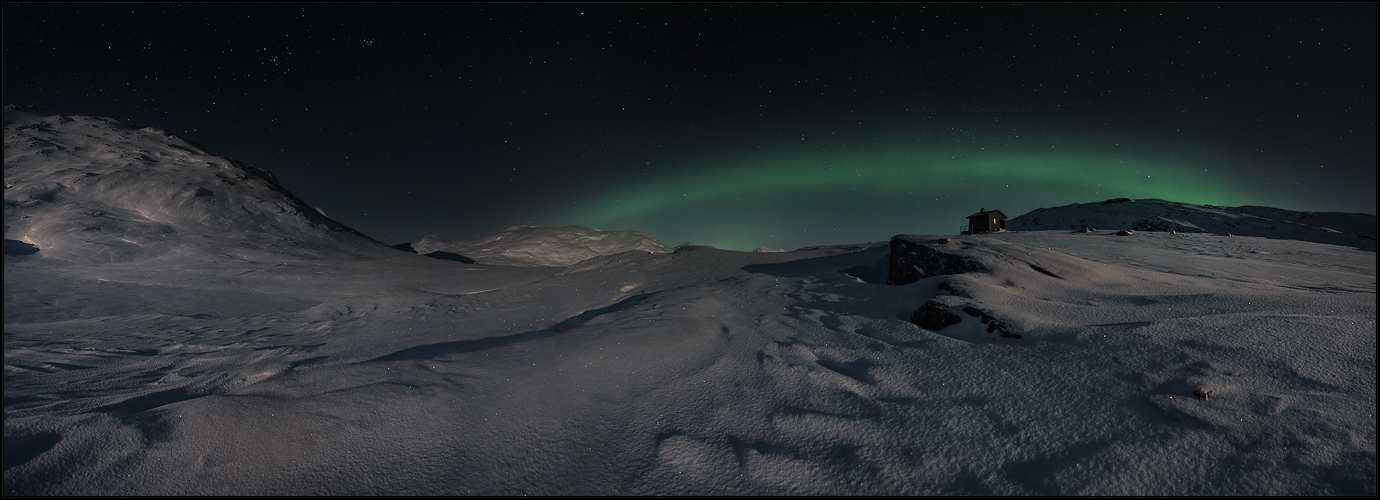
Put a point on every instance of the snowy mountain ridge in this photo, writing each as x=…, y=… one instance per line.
x=1334, y=228
x=80, y=188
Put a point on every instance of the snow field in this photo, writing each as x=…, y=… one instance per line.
x=160, y=341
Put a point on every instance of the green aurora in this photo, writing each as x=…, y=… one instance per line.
x=795, y=198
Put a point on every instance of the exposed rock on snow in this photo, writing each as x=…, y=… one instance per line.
x=993, y=324
x=540, y=246
x=934, y=315
x=1334, y=228
x=81, y=188
x=913, y=259
x=949, y=287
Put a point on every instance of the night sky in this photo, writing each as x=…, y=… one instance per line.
x=736, y=126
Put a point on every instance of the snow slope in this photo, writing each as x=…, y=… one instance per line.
x=541, y=246
x=1358, y=230
x=82, y=188
x=295, y=368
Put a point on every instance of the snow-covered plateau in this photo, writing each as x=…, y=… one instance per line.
x=175, y=323
x=534, y=246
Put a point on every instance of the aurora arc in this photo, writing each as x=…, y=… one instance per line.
x=754, y=202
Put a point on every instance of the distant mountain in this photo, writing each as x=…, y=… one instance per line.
x=539, y=246
x=1335, y=228
x=82, y=188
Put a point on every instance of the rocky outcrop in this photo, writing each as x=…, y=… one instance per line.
x=913, y=259
x=1002, y=328
x=934, y=316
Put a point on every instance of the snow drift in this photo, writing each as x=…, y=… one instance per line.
x=1023, y=363
x=1335, y=228
x=540, y=246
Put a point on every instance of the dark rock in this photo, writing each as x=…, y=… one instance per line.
x=911, y=262
x=1151, y=225
x=933, y=316
x=948, y=287
x=1003, y=329
x=1124, y=232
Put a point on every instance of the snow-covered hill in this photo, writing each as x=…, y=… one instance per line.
x=139, y=362
x=1357, y=230
x=81, y=189
x=540, y=246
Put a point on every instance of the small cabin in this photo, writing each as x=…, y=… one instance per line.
x=985, y=221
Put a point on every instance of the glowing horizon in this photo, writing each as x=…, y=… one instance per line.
x=763, y=199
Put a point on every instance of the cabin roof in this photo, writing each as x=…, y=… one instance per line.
x=987, y=212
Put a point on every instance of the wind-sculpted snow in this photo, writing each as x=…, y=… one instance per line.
x=540, y=246
x=702, y=372
x=80, y=188
x=1356, y=230
x=1058, y=363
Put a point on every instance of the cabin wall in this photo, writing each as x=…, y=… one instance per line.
x=985, y=224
